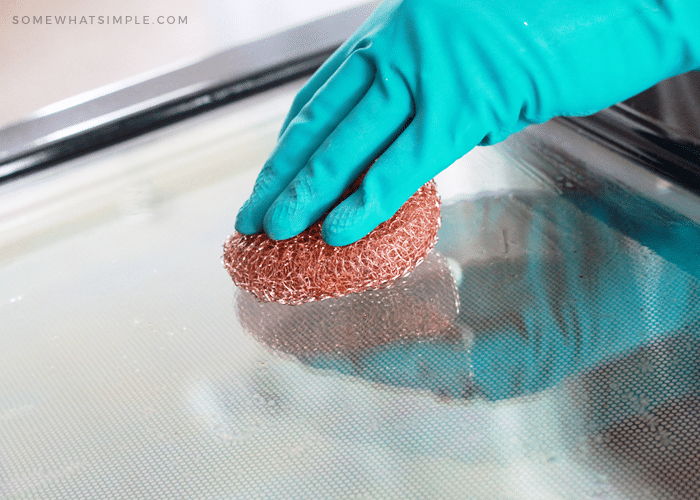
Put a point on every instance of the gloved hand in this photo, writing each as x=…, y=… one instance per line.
x=424, y=81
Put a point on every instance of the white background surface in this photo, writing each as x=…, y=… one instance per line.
x=44, y=64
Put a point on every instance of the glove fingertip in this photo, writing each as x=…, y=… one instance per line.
x=247, y=222
x=341, y=239
x=279, y=221
x=347, y=223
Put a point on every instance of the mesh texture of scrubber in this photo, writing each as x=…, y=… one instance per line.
x=304, y=268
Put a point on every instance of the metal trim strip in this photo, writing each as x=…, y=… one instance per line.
x=124, y=112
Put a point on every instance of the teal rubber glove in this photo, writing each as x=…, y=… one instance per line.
x=424, y=81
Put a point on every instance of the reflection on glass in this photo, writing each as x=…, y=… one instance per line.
x=345, y=334
x=546, y=291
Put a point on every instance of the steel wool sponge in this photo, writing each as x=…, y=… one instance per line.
x=305, y=268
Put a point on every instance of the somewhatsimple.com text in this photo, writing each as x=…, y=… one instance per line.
x=112, y=20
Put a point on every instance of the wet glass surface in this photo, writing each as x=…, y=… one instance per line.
x=547, y=349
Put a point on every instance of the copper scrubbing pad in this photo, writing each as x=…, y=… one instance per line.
x=304, y=268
